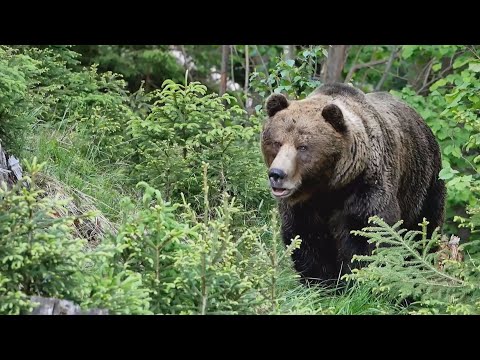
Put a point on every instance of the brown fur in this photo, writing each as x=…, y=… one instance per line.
x=365, y=155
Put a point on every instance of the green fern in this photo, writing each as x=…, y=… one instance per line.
x=404, y=265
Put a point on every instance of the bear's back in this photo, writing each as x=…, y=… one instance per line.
x=411, y=148
x=407, y=151
x=340, y=90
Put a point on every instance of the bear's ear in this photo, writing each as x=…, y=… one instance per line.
x=275, y=103
x=334, y=116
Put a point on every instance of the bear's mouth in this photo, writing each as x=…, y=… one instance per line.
x=281, y=192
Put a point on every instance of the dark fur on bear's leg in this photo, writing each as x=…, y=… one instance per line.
x=313, y=272
x=315, y=259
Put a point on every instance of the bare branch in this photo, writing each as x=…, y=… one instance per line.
x=231, y=64
x=392, y=57
x=264, y=66
x=473, y=51
x=361, y=66
x=427, y=72
x=357, y=55
x=443, y=72
x=237, y=96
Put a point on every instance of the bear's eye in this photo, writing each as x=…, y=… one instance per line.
x=277, y=144
x=302, y=148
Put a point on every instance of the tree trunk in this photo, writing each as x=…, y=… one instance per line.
x=289, y=51
x=332, y=71
x=224, y=69
x=247, y=72
x=392, y=57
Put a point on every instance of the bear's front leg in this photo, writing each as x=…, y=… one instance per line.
x=316, y=265
x=356, y=218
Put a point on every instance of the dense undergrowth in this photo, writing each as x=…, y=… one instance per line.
x=176, y=172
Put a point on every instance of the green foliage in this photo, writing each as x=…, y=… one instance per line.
x=19, y=101
x=207, y=242
x=463, y=107
x=111, y=287
x=188, y=126
x=151, y=64
x=39, y=256
x=404, y=266
x=286, y=76
x=97, y=104
x=147, y=243
x=200, y=263
x=32, y=257
x=451, y=110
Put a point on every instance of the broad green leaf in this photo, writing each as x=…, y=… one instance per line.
x=474, y=66
x=437, y=84
x=447, y=173
x=459, y=62
x=290, y=62
x=408, y=50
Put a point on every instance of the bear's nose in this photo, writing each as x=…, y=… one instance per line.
x=277, y=174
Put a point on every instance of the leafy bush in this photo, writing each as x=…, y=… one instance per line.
x=297, y=81
x=188, y=126
x=451, y=110
x=62, y=92
x=39, y=256
x=200, y=263
x=19, y=102
x=106, y=286
x=152, y=64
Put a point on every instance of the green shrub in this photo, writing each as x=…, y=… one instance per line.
x=451, y=109
x=199, y=263
x=403, y=266
x=296, y=81
x=186, y=127
x=96, y=104
x=39, y=256
x=19, y=102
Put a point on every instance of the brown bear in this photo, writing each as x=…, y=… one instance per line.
x=339, y=157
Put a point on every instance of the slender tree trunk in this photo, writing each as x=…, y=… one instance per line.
x=332, y=71
x=247, y=75
x=224, y=69
x=247, y=71
x=392, y=57
x=289, y=51
x=185, y=64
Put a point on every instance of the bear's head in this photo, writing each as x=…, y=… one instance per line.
x=311, y=145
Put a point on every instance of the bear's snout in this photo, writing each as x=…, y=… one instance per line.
x=276, y=174
x=277, y=177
